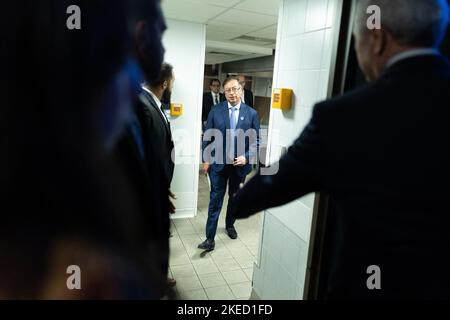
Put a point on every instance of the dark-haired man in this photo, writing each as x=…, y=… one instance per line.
x=158, y=136
x=137, y=150
x=210, y=99
x=232, y=131
x=156, y=91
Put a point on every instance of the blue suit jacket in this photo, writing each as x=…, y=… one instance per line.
x=219, y=119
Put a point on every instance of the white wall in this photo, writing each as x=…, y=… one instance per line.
x=185, y=50
x=263, y=87
x=306, y=32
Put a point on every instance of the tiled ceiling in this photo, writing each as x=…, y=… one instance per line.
x=246, y=28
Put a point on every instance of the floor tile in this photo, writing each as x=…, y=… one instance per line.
x=242, y=290
x=236, y=276
x=205, y=266
x=212, y=280
x=183, y=271
x=188, y=284
x=198, y=294
x=222, y=274
x=219, y=293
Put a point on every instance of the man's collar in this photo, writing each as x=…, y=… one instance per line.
x=409, y=54
x=158, y=102
x=238, y=106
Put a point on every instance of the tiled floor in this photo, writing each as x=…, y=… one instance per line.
x=223, y=274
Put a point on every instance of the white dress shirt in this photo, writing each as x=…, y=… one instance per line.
x=236, y=113
x=411, y=53
x=216, y=97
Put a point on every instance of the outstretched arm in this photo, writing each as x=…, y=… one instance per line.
x=252, y=152
x=299, y=173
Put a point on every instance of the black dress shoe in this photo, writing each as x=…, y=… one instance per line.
x=232, y=233
x=207, y=245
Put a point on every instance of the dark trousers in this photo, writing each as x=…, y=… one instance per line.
x=218, y=187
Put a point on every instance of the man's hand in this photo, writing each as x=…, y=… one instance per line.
x=205, y=168
x=240, y=161
x=172, y=208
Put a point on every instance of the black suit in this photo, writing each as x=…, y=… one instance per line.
x=132, y=153
x=248, y=97
x=158, y=134
x=381, y=152
x=208, y=103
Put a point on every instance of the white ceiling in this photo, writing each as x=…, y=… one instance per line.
x=227, y=20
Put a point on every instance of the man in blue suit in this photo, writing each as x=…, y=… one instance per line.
x=230, y=147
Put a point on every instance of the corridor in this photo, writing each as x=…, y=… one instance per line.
x=226, y=272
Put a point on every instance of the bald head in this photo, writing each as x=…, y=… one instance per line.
x=419, y=23
x=404, y=25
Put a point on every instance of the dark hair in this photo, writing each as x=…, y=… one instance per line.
x=137, y=10
x=230, y=79
x=146, y=25
x=214, y=80
x=166, y=74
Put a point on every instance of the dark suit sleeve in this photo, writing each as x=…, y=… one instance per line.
x=207, y=136
x=298, y=174
x=204, y=107
x=249, y=98
x=252, y=152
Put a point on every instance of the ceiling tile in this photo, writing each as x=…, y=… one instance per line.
x=216, y=59
x=226, y=20
x=269, y=7
x=227, y=27
x=267, y=33
x=190, y=11
x=220, y=3
x=220, y=35
x=233, y=16
x=272, y=46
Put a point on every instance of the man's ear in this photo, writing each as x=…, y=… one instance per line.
x=140, y=36
x=165, y=85
x=379, y=38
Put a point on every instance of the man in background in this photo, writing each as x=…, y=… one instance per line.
x=137, y=150
x=158, y=136
x=235, y=150
x=210, y=99
x=156, y=91
x=247, y=95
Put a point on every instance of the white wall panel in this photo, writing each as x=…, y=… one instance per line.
x=185, y=50
x=306, y=32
